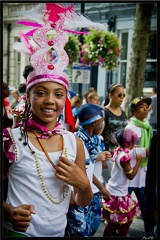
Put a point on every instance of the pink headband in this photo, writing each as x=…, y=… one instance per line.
x=46, y=78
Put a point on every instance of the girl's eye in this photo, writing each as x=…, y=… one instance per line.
x=59, y=95
x=40, y=93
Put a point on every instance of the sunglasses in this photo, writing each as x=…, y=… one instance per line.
x=121, y=95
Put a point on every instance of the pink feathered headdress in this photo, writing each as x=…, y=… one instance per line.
x=52, y=22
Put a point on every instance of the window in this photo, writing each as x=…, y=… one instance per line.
x=18, y=67
x=151, y=64
x=123, y=61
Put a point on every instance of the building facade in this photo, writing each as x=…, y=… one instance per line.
x=120, y=19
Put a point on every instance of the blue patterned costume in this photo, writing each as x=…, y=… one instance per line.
x=84, y=222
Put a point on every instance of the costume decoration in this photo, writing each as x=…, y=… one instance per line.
x=52, y=22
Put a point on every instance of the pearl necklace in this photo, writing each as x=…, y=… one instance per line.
x=65, y=187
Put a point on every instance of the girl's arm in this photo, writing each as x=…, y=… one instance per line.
x=129, y=171
x=74, y=173
x=106, y=195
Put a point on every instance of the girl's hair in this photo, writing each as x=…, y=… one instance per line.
x=16, y=91
x=26, y=114
x=22, y=88
x=111, y=90
x=91, y=96
x=125, y=137
x=75, y=100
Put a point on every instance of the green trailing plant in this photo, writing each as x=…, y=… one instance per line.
x=72, y=49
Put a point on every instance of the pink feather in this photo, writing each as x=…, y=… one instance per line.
x=25, y=41
x=54, y=9
x=28, y=23
x=30, y=33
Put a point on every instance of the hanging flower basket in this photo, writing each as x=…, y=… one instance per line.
x=72, y=49
x=101, y=48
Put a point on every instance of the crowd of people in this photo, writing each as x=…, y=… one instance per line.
x=70, y=163
x=109, y=155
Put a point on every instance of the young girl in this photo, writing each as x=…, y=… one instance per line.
x=120, y=210
x=84, y=222
x=43, y=160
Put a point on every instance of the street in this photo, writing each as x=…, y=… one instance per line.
x=136, y=229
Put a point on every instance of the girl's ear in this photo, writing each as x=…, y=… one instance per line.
x=94, y=124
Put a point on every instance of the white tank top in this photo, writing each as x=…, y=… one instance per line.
x=27, y=186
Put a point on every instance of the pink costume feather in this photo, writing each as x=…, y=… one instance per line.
x=25, y=41
x=28, y=23
x=54, y=9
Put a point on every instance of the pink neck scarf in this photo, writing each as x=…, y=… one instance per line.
x=45, y=132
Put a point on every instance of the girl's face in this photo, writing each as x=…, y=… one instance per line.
x=141, y=111
x=95, y=100
x=117, y=96
x=47, y=101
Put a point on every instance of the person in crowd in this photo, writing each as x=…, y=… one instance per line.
x=7, y=122
x=16, y=96
x=41, y=158
x=152, y=115
x=93, y=97
x=115, y=118
x=151, y=189
x=20, y=108
x=84, y=222
x=121, y=209
x=76, y=103
x=138, y=123
x=7, y=112
x=71, y=94
x=85, y=94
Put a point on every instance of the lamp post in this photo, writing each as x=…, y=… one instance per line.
x=111, y=24
x=81, y=40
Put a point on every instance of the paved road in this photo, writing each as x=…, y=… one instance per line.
x=136, y=229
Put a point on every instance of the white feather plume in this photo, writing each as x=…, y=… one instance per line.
x=74, y=21
x=20, y=47
x=35, y=14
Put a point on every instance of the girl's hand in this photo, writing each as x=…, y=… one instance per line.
x=108, y=155
x=101, y=156
x=20, y=217
x=105, y=194
x=70, y=173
